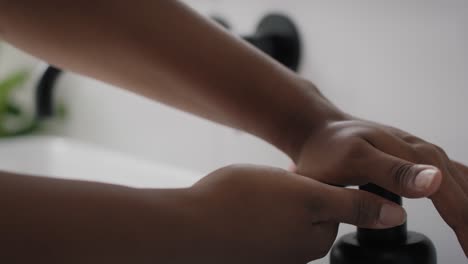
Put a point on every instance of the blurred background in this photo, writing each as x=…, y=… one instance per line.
x=402, y=63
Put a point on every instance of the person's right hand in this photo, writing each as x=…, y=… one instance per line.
x=252, y=214
x=356, y=152
x=451, y=200
x=462, y=180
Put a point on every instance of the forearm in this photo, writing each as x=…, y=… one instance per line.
x=57, y=221
x=165, y=51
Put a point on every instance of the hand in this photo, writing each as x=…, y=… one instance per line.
x=356, y=152
x=461, y=179
x=451, y=200
x=251, y=214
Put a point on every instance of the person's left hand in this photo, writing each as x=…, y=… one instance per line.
x=255, y=214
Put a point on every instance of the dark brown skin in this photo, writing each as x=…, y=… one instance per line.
x=57, y=221
x=356, y=152
x=167, y=52
x=266, y=215
x=239, y=214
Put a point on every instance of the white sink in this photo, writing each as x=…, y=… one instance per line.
x=71, y=159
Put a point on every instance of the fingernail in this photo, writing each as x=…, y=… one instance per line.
x=424, y=179
x=391, y=216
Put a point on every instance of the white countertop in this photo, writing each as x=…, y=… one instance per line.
x=71, y=159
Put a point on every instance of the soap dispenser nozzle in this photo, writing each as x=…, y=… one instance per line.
x=384, y=246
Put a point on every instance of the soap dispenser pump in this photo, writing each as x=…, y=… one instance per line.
x=386, y=246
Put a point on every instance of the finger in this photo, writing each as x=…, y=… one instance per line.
x=394, y=143
x=405, y=136
x=463, y=239
x=461, y=167
x=362, y=209
x=292, y=167
x=414, y=149
x=400, y=176
x=411, y=148
x=464, y=171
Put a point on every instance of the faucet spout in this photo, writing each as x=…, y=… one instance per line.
x=45, y=92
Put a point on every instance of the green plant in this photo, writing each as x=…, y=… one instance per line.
x=7, y=108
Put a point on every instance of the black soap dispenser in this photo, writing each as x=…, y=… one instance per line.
x=387, y=246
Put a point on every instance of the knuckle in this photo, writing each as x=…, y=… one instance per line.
x=366, y=212
x=437, y=148
x=427, y=150
x=441, y=152
x=411, y=154
x=410, y=138
x=432, y=150
x=431, y=153
x=402, y=176
x=357, y=148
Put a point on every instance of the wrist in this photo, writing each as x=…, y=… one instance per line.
x=167, y=227
x=311, y=113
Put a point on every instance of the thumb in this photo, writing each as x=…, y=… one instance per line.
x=400, y=176
x=362, y=209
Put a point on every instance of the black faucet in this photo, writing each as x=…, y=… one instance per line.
x=44, y=93
x=277, y=36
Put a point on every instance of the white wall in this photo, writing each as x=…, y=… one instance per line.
x=399, y=62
